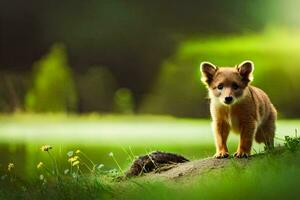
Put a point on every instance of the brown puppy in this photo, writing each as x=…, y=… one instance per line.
x=235, y=105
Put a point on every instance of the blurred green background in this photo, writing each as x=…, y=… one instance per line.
x=77, y=62
x=77, y=56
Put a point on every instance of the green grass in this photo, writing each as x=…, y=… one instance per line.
x=271, y=177
x=23, y=135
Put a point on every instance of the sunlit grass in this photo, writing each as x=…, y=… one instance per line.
x=96, y=135
x=273, y=176
x=271, y=40
x=113, y=129
x=81, y=179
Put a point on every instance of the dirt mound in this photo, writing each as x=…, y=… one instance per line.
x=196, y=167
x=172, y=166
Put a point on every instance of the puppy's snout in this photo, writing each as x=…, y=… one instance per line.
x=228, y=100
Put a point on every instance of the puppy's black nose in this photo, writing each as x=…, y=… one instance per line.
x=228, y=99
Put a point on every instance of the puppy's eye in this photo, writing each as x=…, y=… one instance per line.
x=220, y=86
x=235, y=86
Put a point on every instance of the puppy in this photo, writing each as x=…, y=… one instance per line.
x=236, y=105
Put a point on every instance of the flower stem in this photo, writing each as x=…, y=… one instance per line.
x=118, y=165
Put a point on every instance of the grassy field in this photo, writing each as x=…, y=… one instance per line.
x=271, y=177
x=96, y=136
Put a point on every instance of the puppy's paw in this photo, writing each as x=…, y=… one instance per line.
x=221, y=155
x=240, y=154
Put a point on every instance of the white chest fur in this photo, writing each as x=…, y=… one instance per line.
x=223, y=112
x=233, y=121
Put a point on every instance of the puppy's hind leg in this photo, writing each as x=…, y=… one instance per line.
x=266, y=133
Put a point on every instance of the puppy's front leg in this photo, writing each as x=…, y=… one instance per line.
x=246, y=140
x=221, y=130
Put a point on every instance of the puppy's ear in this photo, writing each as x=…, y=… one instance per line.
x=208, y=71
x=245, y=69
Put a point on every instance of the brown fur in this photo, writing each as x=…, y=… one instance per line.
x=249, y=113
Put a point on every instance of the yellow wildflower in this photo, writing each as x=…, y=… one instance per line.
x=10, y=166
x=75, y=163
x=46, y=148
x=40, y=165
x=73, y=159
x=77, y=151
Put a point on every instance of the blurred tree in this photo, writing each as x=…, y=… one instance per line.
x=124, y=101
x=53, y=87
x=96, y=90
x=12, y=91
x=131, y=38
